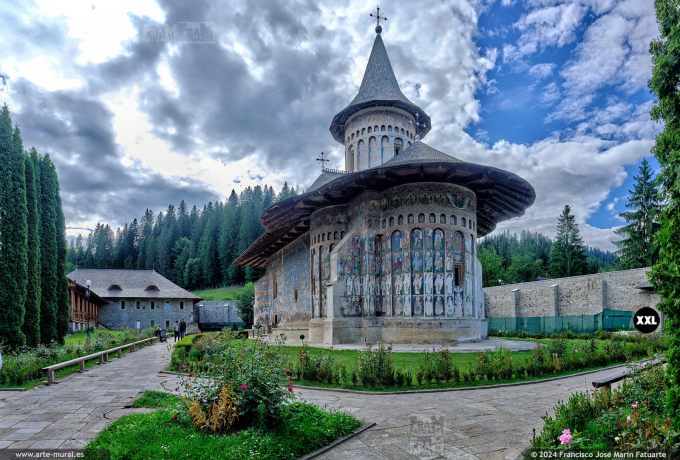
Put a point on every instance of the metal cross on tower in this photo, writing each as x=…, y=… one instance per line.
x=322, y=160
x=377, y=17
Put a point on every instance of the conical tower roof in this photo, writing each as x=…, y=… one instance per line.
x=379, y=87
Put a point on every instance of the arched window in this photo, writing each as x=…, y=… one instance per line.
x=330, y=249
x=398, y=146
x=453, y=220
x=463, y=222
x=421, y=218
x=400, y=220
x=350, y=159
x=391, y=221
x=384, y=146
x=433, y=218
x=335, y=235
x=150, y=287
x=411, y=219
x=442, y=219
x=342, y=234
x=408, y=144
x=363, y=131
x=382, y=128
x=402, y=130
x=389, y=128
x=361, y=154
x=323, y=237
x=384, y=223
x=372, y=151
x=329, y=236
x=375, y=129
x=352, y=135
x=115, y=287
x=370, y=130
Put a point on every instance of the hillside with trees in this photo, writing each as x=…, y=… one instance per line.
x=193, y=248
x=34, y=304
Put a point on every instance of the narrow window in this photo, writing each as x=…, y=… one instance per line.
x=122, y=305
x=275, y=286
x=458, y=275
x=152, y=323
x=153, y=305
x=295, y=295
x=138, y=305
x=181, y=305
x=167, y=323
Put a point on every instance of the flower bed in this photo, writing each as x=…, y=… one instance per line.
x=379, y=368
x=630, y=417
x=165, y=434
x=23, y=367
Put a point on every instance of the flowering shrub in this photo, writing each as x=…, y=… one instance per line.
x=631, y=417
x=250, y=376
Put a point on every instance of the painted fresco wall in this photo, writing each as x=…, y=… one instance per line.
x=411, y=254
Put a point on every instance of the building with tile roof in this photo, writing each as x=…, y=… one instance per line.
x=385, y=250
x=133, y=298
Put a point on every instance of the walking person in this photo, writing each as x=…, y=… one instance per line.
x=175, y=329
x=182, y=328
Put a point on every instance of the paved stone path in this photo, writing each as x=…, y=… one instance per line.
x=67, y=415
x=494, y=423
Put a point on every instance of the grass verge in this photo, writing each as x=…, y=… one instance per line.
x=156, y=435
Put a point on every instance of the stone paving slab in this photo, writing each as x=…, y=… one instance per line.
x=486, y=424
x=71, y=412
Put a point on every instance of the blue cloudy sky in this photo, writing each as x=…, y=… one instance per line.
x=555, y=91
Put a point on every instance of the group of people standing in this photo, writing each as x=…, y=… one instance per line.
x=180, y=329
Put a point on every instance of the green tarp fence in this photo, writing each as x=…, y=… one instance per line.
x=608, y=319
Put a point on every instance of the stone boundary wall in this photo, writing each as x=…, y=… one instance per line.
x=572, y=296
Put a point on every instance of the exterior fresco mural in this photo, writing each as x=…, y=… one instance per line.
x=419, y=264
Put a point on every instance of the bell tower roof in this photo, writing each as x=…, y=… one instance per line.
x=379, y=88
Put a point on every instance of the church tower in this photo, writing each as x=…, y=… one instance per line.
x=380, y=122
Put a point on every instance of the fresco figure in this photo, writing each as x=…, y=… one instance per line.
x=397, y=284
x=428, y=305
x=439, y=306
x=417, y=305
x=348, y=286
x=406, y=282
x=427, y=281
x=439, y=262
x=449, y=261
x=449, y=283
x=439, y=284
x=428, y=261
x=449, y=305
x=417, y=262
x=417, y=283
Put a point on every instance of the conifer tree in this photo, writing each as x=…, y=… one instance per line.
x=665, y=275
x=567, y=256
x=638, y=247
x=31, y=325
x=63, y=306
x=13, y=233
x=49, y=251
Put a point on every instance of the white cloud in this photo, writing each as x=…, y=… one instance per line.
x=542, y=70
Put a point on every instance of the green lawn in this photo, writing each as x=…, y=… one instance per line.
x=157, y=435
x=81, y=336
x=223, y=293
x=411, y=362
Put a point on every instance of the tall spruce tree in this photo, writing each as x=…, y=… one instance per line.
x=31, y=325
x=63, y=305
x=567, y=256
x=638, y=248
x=665, y=275
x=13, y=233
x=49, y=251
